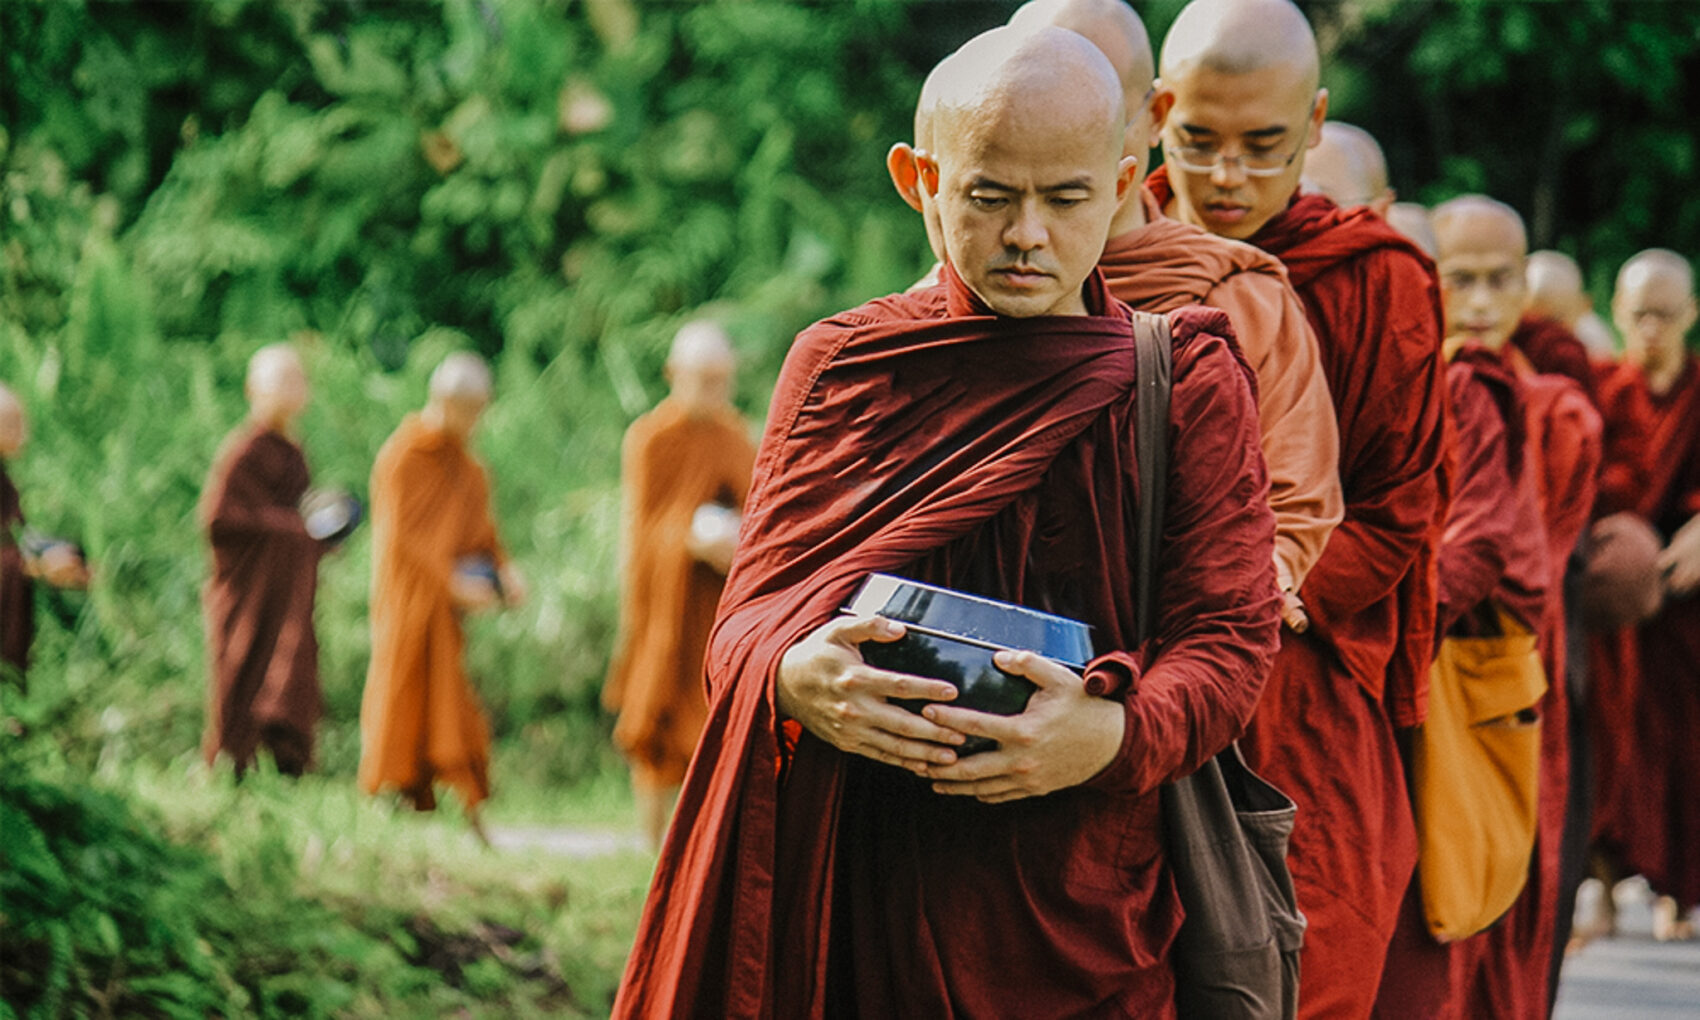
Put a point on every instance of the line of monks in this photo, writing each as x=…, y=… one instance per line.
x=1391, y=427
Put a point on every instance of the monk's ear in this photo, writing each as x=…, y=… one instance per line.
x=1161, y=104
x=1318, y=114
x=927, y=165
x=1127, y=177
x=1383, y=202
x=905, y=176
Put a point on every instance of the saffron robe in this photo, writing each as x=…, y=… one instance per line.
x=17, y=591
x=1648, y=677
x=672, y=464
x=261, y=647
x=419, y=719
x=1505, y=971
x=921, y=435
x=1324, y=731
x=1167, y=264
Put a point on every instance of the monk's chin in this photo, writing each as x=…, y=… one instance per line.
x=1028, y=305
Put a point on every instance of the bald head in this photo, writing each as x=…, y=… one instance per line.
x=14, y=427
x=1476, y=221
x=1411, y=219
x=276, y=387
x=1237, y=37
x=1348, y=167
x=1555, y=287
x=462, y=376
x=1480, y=245
x=1657, y=263
x=1110, y=25
x=700, y=368
x=1653, y=309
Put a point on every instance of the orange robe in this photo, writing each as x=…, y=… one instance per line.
x=1167, y=264
x=419, y=720
x=671, y=464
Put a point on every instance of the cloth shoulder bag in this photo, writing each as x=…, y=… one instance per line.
x=1226, y=830
x=1476, y=761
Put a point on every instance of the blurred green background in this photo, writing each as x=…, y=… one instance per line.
x=558, y=184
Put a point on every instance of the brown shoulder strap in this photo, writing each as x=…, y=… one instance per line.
x=1152, y=342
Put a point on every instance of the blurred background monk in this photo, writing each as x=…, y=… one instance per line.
x=1528, y=453
x=1158, y=264
x=435, y=557
x=59, y=564
x=1411, y=219
x=1648, y=677
x=1558, y=293
x=685, y=470
x=1348, y=168
x=832, y=854
x=1239, y=100
x=261, y=647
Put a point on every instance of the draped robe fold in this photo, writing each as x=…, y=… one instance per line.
x=1324, y=730
x=1166, y=264
x=1552, y=349
x=261, y=646
x=420, y=721
x=921, y=435
x=672, y=464
x=1647, y=678
x=17, y=591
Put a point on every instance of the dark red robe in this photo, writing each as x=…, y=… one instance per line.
x=259, y=603
x=17, y=593
x=1324, y=731
x=1552, y=349
x=921, y=435
x=1647, y=679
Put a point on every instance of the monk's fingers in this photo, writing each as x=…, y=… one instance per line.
x=999, y=765
x=860, y=714
x=992, y=791
x=904, y=751
x=858, y=629
x=883, y=683
x=1002, y=728
x=1037, y=668
x=1293, y=613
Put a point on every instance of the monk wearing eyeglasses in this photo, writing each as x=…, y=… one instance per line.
x=1239, y=100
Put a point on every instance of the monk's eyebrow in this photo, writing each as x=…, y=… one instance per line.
x=1074, y=184
x=987, y=184
x=1259, y=134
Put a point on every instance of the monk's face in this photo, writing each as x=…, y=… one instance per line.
x=1653, y=311
x=459, y=414
x=1026, y=191
x=1223, y=125
x=1482, y=288
x=701, y=386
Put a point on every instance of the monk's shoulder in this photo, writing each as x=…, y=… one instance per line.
x=819, y=343
x=1204, y=348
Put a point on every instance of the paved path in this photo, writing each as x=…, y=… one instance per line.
x=1630, y=976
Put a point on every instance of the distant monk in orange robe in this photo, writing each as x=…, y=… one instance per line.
x=1157, y=264
x=435, y=557
x=1525, y=525
x=1648, y=678
x=832, y=854
x=1239, y=99
x=59, y=564
x=693, y=451
x=1348, y=168
x=263, y=652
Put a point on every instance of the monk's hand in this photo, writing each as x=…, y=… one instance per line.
x=472, y=594
x=1064, y=737
x=62, y=567
x=514, y=587
x=825, y=685
x=1680, y=560
x=1293, y=612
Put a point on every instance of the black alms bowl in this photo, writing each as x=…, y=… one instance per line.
x=952, y=636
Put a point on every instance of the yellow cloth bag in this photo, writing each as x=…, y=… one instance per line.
x=1477, y=764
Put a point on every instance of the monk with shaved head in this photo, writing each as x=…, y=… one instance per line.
x=1647, y=678
x=435, y=558
x=685, y=471
x=1553, y=301
x=836, y=854
x=1558, y=292
x=1347, y=167
x=1159, y=264
x=1239, y=99
x=261, y=646
x=1527, y=455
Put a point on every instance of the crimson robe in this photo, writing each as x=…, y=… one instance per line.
x=921, y=435
x=1647, y=708
x=1552, y=349
x=1324, y=731
x=17, y=592
x=1166, y=264
x=263, y=652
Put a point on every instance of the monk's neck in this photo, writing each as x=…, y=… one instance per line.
x=1131, y=216
x=1662, y=375
x=284, y=427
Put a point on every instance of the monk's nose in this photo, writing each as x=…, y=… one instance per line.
x=1027, y=230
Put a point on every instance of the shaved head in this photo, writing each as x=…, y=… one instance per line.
x=1657, y=262
x=1411, y=219
x=1480, y=245
x=1653, y=309
x=700, y=368
x=700, y=343
x=1348, y=167
x=1110, y=25
x=14, y=427
x=1555, y=287
x=1236, y=37
x=1027, y=167
x=462, y=376
x=276, y=387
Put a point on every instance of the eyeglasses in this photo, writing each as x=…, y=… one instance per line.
x=1197, y=159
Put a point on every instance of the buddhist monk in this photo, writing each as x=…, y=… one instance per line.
x=1558, y=292
x=831, y=852
x=1647, y=679
x=1347, y=167
x=1528, y=451
x=435, y=557
x=1411, y=219
x=1158, y=264
x=1554, y=300
x=1240, y=103
x=690, y=452
x=261, y=647
x=59, y=564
